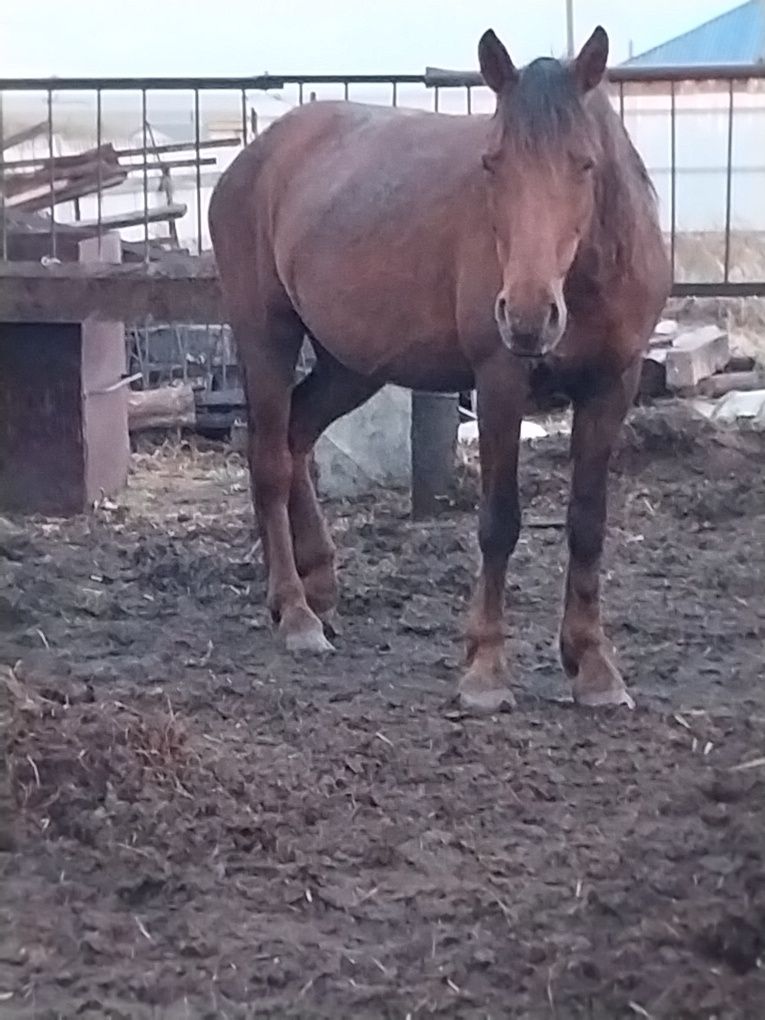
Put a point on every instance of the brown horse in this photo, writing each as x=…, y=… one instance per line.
x=513, y=253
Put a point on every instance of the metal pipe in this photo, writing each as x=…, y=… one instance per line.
x=673, y=175
x=197, y=130
x=99, y=172
x=145, y=142
x=570, y=28
x=3, y=220
x=435, y=419
x=728, y=187
x=52, y=178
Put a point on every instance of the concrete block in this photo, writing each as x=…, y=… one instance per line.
x=695, y=355
x=367, y=448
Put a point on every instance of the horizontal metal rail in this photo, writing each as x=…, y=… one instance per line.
x=44, y=163
x=433, y=77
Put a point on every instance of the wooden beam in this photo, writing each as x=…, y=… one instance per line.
x=25, y=135
x=66, y=188
x=156, y=214
x=177, y=289
x=105, y=152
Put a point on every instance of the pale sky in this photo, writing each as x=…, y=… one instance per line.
x=242, y=37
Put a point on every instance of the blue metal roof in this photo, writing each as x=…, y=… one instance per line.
x=736, y=37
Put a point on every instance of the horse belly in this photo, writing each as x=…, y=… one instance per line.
x=379, y=308
x=393, y=336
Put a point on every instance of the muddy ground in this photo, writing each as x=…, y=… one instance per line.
x=211, y=828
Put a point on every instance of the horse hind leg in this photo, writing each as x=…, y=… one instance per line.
x=328, y=393
x=268, y=345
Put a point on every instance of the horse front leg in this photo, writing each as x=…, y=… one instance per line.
x=586, y=654
x=483, y=686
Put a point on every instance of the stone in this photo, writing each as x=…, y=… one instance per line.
x=743, y=409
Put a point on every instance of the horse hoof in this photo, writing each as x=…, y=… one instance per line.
x=484, y=700
x=308, y=641
x=304, y=634
x=602, y=699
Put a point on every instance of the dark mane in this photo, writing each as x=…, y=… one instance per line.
x=543, y=106
x=624, y=194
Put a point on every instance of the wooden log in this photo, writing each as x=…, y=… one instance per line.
x=168, y=407
x=719, y=385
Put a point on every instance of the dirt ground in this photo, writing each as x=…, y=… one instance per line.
x=209, y=827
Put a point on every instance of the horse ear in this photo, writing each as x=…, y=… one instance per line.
x=497, y=68
x=590, y=65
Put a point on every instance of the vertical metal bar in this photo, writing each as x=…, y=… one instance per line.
x=728, y=184
x=52, y=178
x=3, y=220
x=301, y=98
x=145, y=146
x=395, y=93
x=345, y=91
x=672, y=174
x=199, y=171
x=570, y=28
x=436, y=98
x=99, y=188
x=621, y=100
x=244, y=117
x=469, y=99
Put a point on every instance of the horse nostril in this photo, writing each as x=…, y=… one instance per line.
x=501, y=310
x=553, y=317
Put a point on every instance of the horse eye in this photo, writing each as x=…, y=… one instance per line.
x=587, y=165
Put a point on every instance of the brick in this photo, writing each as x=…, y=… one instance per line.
x=696, y=355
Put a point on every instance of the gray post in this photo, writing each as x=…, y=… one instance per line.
x=435, y=419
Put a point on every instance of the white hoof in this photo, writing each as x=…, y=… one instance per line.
x=603, y=699
x=484, y=701
x=311, y=641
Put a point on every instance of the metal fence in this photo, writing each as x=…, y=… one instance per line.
x=90, y=155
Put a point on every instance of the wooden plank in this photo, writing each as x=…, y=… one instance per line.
x=66, y=190
x=106, y=152
x=176, y=289
x=168, y=164
x=207, y=143
x=25, y=135
x=156, y=214
x=62, y=177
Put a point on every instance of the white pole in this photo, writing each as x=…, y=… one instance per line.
x=570, y=27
